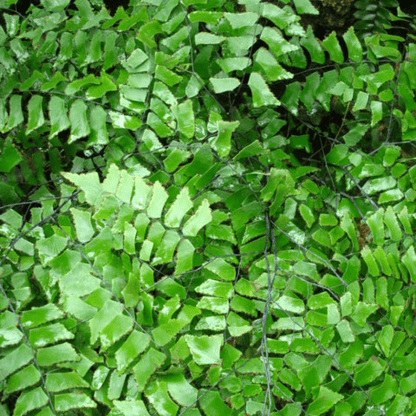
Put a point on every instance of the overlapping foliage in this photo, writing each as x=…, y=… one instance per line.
x=207, y=210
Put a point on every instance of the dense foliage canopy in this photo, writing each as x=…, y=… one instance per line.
x=206, y=209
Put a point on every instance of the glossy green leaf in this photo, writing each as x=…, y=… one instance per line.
x=135, y=344
x=392, y=224
x=409, y=260
x=178, y=209
x=38, y=316
x=89, y=183
x=167, y=247
x=167, y=76
x=307, y=215
x=262, y=96
x=16, y=114
x=376, y=112
x=289, y=304
x=361, y=101
x=36, y=118
x=68, y=401
x=49, y=334
x=271, y=68
x=56, y=354
x=276, y=42
x=215, y=288
x=233, y=64
x=355, y=50
x=331, y=44
x=120, y=326
x=367, y=372
x=197, y=221
x=345, y=332
x=76, y=85
x=205, y=16
x=376, y=225
x=123, y=121
x=158, y=396
x=313, y=46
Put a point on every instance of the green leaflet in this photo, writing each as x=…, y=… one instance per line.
x=224, y=84
x=78, y=119
x=58, y=116
x=36, y=118
x=201, y=217
x=9, y=157
x=333, y=47
x=205, y=350
x=262, y=96
x=30, y=400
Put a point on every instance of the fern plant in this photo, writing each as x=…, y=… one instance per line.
x=206, y=210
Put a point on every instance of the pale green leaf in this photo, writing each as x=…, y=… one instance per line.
x=240, y=20
x=115, y=330
x=205, y=38
x=83, y=226
x=89, y=183
x=38, y=316
x=49, y=334
x=98, y=135
x=202, y=217
x=148, y=364
x=157, y=201
x=178, y=209
x=205, y=349
x=69, y=401
x=224, y=84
